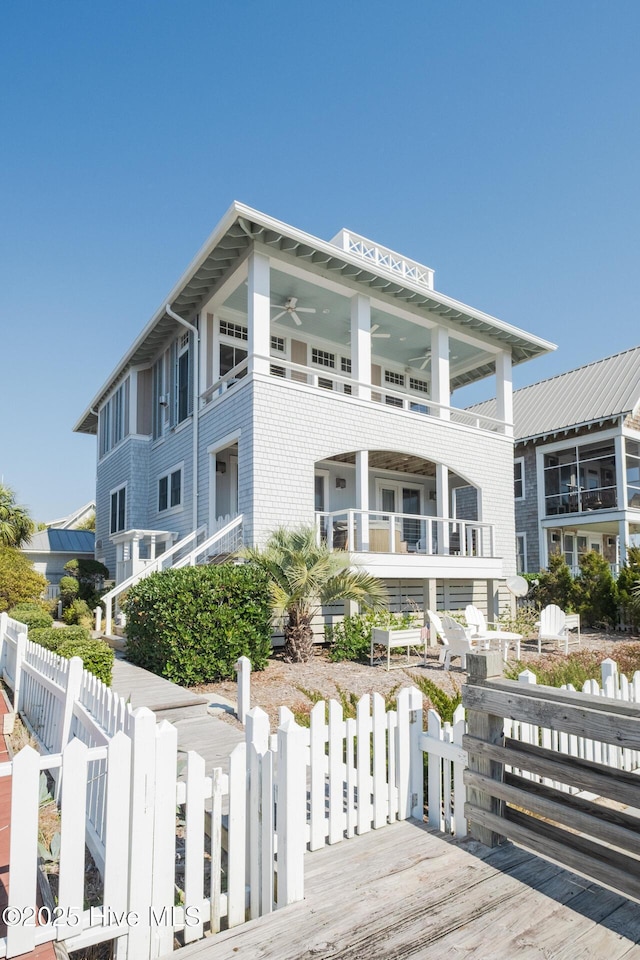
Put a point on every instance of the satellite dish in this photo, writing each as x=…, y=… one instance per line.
x=518, y=586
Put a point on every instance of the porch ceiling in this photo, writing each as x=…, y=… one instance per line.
x=388, y=460
x=230, y=241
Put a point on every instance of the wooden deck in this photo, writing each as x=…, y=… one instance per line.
x=143, y=689
x=407, y=892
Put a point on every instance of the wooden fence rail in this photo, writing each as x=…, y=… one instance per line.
x=524, y=791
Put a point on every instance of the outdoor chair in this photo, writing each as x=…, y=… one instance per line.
x=454, y=637
x=484, y=632
x=553, y=626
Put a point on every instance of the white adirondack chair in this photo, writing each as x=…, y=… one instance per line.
x=553, y=626
x=484, y=632
x=454, y=637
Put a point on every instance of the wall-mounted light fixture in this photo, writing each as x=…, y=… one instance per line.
x=340, y=483
x=221, y=466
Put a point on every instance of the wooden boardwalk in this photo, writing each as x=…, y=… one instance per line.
x=211, y=737
x=407, y=892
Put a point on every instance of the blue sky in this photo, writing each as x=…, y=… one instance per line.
x=497, y=142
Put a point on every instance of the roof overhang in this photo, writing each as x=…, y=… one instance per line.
x=242, y=226
x=574, y=428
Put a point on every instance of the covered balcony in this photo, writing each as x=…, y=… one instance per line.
x=403, y=515
x=276, y=320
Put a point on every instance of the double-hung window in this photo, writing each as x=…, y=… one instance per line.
x=118, y=509
x=182, y=379
x=170, y=490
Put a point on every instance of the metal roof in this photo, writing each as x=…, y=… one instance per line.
x=62, y=541
x=239, y=228
x=598, y=391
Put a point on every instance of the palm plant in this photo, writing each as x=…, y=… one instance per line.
x=305, y=576
x=16, y=526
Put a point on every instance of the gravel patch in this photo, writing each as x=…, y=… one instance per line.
x=288, y=684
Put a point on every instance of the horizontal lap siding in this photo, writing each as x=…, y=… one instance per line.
x=174, y=448
x=227, y=417
x=128, y=463
x=527, y=510
x=295, y=428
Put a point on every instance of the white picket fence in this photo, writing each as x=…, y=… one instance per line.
x=286, y=791
x=613, y=685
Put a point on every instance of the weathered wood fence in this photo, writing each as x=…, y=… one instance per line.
x=535, y=792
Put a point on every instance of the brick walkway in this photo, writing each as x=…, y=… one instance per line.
x=46, y=951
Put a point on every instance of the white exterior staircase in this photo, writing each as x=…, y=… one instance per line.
x=223, y=541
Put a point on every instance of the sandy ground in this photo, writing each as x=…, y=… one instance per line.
x=288, y=684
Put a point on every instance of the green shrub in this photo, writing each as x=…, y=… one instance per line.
x=89, y=576
x=33, y=614
x=78, y=612
x=595, y=591
x=350, y=639
x=19, y=582
x=441, y=702
x=628, y=581
x=555, y=585
x=96, y=655
x=191, y=625
x=69, y=588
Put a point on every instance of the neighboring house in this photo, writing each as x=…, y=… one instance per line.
x=74, y=519
x=49, y=550
x=577, y=463
x=293, y=380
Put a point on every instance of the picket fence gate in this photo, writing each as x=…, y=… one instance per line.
x=286, y=791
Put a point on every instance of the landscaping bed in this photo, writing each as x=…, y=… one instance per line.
x=298, y=685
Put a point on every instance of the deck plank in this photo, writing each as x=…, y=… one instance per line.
x=406, y=892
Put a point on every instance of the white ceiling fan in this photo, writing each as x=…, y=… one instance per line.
x=290, y=308
x=425, y=357
x=382, y=336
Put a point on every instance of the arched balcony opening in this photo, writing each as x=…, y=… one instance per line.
x=384, y=501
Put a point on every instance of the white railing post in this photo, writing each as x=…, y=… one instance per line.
x=291, y=816
x=98, y=615
x=21, y=649
x=71, y=694
x=108, y=615
x=243, y=669
x=259, y=822
x=23, y=849
x=417, y=762
x=3, y=644
x=609, y=670
x=164, y=852
x=143, y=736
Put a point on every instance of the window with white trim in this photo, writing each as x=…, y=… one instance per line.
x=323, y=358
x=114, y=419
x=521, y=552
x=278, y=344
x=182, y=378
x=170, y=490
x=118, y=510
x=518, y=478
x=235, y=330
x=396, y=379
x=345, y=364
x=421, y=385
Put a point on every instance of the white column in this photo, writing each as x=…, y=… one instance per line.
x=442, y=506
x=135, y=548
x=440, y=385
x=259, y=309
x=132, y=426
x=623, y=541
x=621, y=473
x=361, y=343
x=152, y=547
x=362, y=496
x=504, y=391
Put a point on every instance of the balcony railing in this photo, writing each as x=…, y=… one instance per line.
x=377, y=532
x=342, y=384
x=581, y=501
